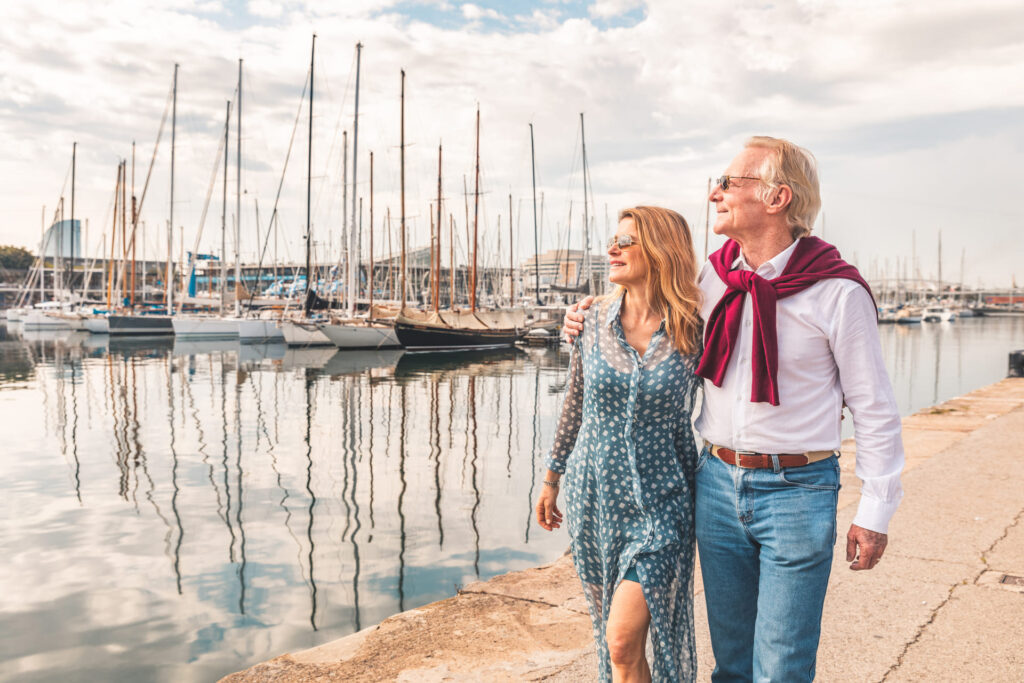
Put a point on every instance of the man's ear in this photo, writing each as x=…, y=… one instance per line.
x=780, y=199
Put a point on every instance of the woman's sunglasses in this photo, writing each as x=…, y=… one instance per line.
x=621, y=241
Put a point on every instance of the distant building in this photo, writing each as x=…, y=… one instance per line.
x=559, y=270
x=63, y=240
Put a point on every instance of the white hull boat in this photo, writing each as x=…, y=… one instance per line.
x=938, y=314
x=259, y=330
x=359, y=334
x=36, y=321
x=205, y=327
x=97, y=324
x=303, y=333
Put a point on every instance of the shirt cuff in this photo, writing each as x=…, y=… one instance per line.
x=874, y=514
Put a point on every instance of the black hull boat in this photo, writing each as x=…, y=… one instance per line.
x=140, y=325
x=418, y=337
x=457, y=331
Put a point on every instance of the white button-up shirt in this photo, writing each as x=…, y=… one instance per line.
x=828, y=351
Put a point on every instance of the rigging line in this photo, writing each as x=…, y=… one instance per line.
x=145, y=186
x=277, y=197
x=331, y=150
x=202, y=219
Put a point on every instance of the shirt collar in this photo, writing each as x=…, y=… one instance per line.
x=614, y=308
x=773, y=267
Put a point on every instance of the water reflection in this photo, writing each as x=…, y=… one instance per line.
x=187, y=509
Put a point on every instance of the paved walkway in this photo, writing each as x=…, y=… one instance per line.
x=946, y=603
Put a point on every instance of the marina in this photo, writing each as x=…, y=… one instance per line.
x=188, y=507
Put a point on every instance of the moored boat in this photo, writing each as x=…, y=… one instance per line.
x=360, y=334
x=205, y=327
x=140, y=325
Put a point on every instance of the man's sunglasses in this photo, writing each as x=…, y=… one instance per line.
x=621, y=241
x=725, y=181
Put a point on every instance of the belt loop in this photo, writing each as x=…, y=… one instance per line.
x=775, y=464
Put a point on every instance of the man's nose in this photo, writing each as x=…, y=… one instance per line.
x=716, y=193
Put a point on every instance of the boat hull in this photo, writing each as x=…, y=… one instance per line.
x=303, y=334
x=37, y=321
x=360, y=335
x=431, y=338
x=140, y=325
x=97, y=325
x=205, y=328
x=255, y=331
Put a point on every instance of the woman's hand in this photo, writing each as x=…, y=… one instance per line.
x=548, y=515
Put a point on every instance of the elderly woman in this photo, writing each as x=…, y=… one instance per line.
x=627, y=452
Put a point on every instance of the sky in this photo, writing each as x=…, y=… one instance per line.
x=914, y=111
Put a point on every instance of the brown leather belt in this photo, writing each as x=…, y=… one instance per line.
x=749, y=460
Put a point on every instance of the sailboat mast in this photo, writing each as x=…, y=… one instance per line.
x=451, y=261
x=437, y=279
x=224, y=211
x=74, y=154
x=113, y=239
x=476, y=214
x=238, y=194
x=511, y=259
x=369, y=275
x=536, y=242
x=135, y=222
x=309, y=179
x=353, y=241
x=346, y=246
x=168, y=284
x=586, y=215
x=401, y=148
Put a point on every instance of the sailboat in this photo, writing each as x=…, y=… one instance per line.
x=304, y=331
x=584, y=287
x=219, y=326
x=152, y=324
x=456, y=330
x=352, y=332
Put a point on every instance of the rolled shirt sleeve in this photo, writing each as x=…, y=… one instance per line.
x=868, y=393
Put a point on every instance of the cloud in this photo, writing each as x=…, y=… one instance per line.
x=607, y=9
x=475, y=12
x=870, y=87
x=266, y=8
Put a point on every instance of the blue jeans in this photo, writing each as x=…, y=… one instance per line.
x=765, y=539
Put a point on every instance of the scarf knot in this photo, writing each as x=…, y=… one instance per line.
x=812, y=260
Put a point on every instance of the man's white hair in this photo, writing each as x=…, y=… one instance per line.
x=791, y=165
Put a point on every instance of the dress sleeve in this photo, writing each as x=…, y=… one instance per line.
x=572, y=413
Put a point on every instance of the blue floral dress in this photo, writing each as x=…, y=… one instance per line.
x=626, y=447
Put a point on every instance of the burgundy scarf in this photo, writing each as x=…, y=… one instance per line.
x=812, y=260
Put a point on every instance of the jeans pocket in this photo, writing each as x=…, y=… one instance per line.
x=702, y=459
x=819, y=476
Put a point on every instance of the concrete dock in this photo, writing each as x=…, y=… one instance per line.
x=946, y=602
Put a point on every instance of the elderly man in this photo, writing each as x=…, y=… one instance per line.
x=790, y=336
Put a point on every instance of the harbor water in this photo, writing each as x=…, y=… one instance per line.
x=177, y=511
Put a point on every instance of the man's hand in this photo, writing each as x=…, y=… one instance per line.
x=572, y=324
x=864, y=548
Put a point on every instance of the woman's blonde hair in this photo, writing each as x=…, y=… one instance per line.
x=667, y=248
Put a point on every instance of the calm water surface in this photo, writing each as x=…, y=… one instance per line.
x=178, y=511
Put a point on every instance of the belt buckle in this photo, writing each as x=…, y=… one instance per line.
x=740, y=453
